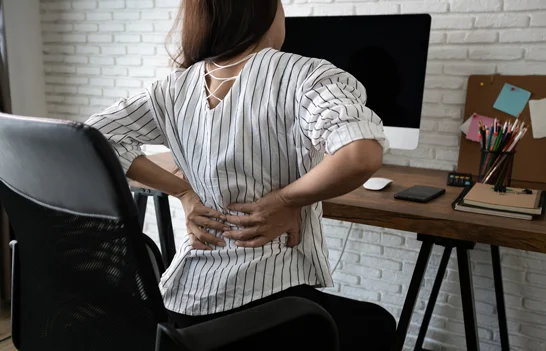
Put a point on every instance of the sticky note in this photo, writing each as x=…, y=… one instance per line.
x=538, y=118
x=474, y=127
x=512, y=100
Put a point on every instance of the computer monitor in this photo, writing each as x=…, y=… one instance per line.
x=386, y=53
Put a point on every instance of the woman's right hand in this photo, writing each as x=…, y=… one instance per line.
x=198, y=217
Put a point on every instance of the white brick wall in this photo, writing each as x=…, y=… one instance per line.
x=97, y=51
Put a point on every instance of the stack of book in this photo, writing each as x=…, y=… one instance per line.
x=512, y=203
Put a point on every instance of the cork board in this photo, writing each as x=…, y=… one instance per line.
x=530, y=159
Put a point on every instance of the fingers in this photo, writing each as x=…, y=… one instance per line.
x=256, y=242
x=205, y=237
x=198, y=208
x=209, y=212
x=242, y=221
x=244, y=234
x=209, y=223
x=201, y=216
x=202, y=210
x=294, y=238
x=244, y=208
x=196, y=244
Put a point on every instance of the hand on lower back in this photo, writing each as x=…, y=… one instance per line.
x=198, y=218
x=265, y=220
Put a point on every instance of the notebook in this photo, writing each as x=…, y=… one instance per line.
x=484, y=195
x=459, y=205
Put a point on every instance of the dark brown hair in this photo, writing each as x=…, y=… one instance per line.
x=220, y=29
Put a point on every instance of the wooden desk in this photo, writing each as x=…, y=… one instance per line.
x=437, y=223
x=437, y=217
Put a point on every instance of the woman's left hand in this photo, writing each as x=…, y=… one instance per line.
x=266, y=220
x=198, y=217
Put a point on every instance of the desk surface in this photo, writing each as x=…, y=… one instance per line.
x=435, y=218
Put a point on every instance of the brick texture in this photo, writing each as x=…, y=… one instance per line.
x=97, y=51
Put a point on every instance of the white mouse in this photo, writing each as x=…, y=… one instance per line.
x=377, y=183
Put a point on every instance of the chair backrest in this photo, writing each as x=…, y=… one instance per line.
x=84, y=278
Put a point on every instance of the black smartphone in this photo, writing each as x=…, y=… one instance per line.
x=420, y=193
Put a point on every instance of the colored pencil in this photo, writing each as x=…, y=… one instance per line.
x=499, y=141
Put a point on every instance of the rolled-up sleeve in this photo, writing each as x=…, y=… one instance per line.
x=333, y=111
x=133, y=122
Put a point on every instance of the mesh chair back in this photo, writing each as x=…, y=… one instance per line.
x=84, y=278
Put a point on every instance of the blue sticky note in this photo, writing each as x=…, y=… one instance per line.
x=512, y=100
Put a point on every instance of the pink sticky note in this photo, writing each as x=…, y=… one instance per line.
x=474, y=129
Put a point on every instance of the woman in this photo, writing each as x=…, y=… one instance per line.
x=248, y=126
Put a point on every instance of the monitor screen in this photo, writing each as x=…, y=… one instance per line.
x=386, y=53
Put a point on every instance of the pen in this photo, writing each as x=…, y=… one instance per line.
x=495, y=135
x=516, y=140
x=482, y=133
x=514, y=126
x=521, y=135
x=498, y=141
x=503, y=134
x=508, y=141
x=493, y=141
x=490, y=137
x=509, y=144
x=499, y=162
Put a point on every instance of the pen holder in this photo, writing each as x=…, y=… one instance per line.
x=496, y=167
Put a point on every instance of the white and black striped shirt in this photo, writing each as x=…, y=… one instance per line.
x=281, y=115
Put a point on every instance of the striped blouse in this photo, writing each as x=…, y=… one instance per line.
x=281, y=115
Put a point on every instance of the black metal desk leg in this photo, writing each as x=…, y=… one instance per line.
x=165, y=228
x=411, y=297
x=433, y=297
x=141, y=202
x=499, y=292
x=467, y=296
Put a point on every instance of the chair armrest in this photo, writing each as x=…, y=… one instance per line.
x=155, y=257
x=15, y=303
x=287, y=319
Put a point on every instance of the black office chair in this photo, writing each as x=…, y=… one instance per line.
x=83, y=279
